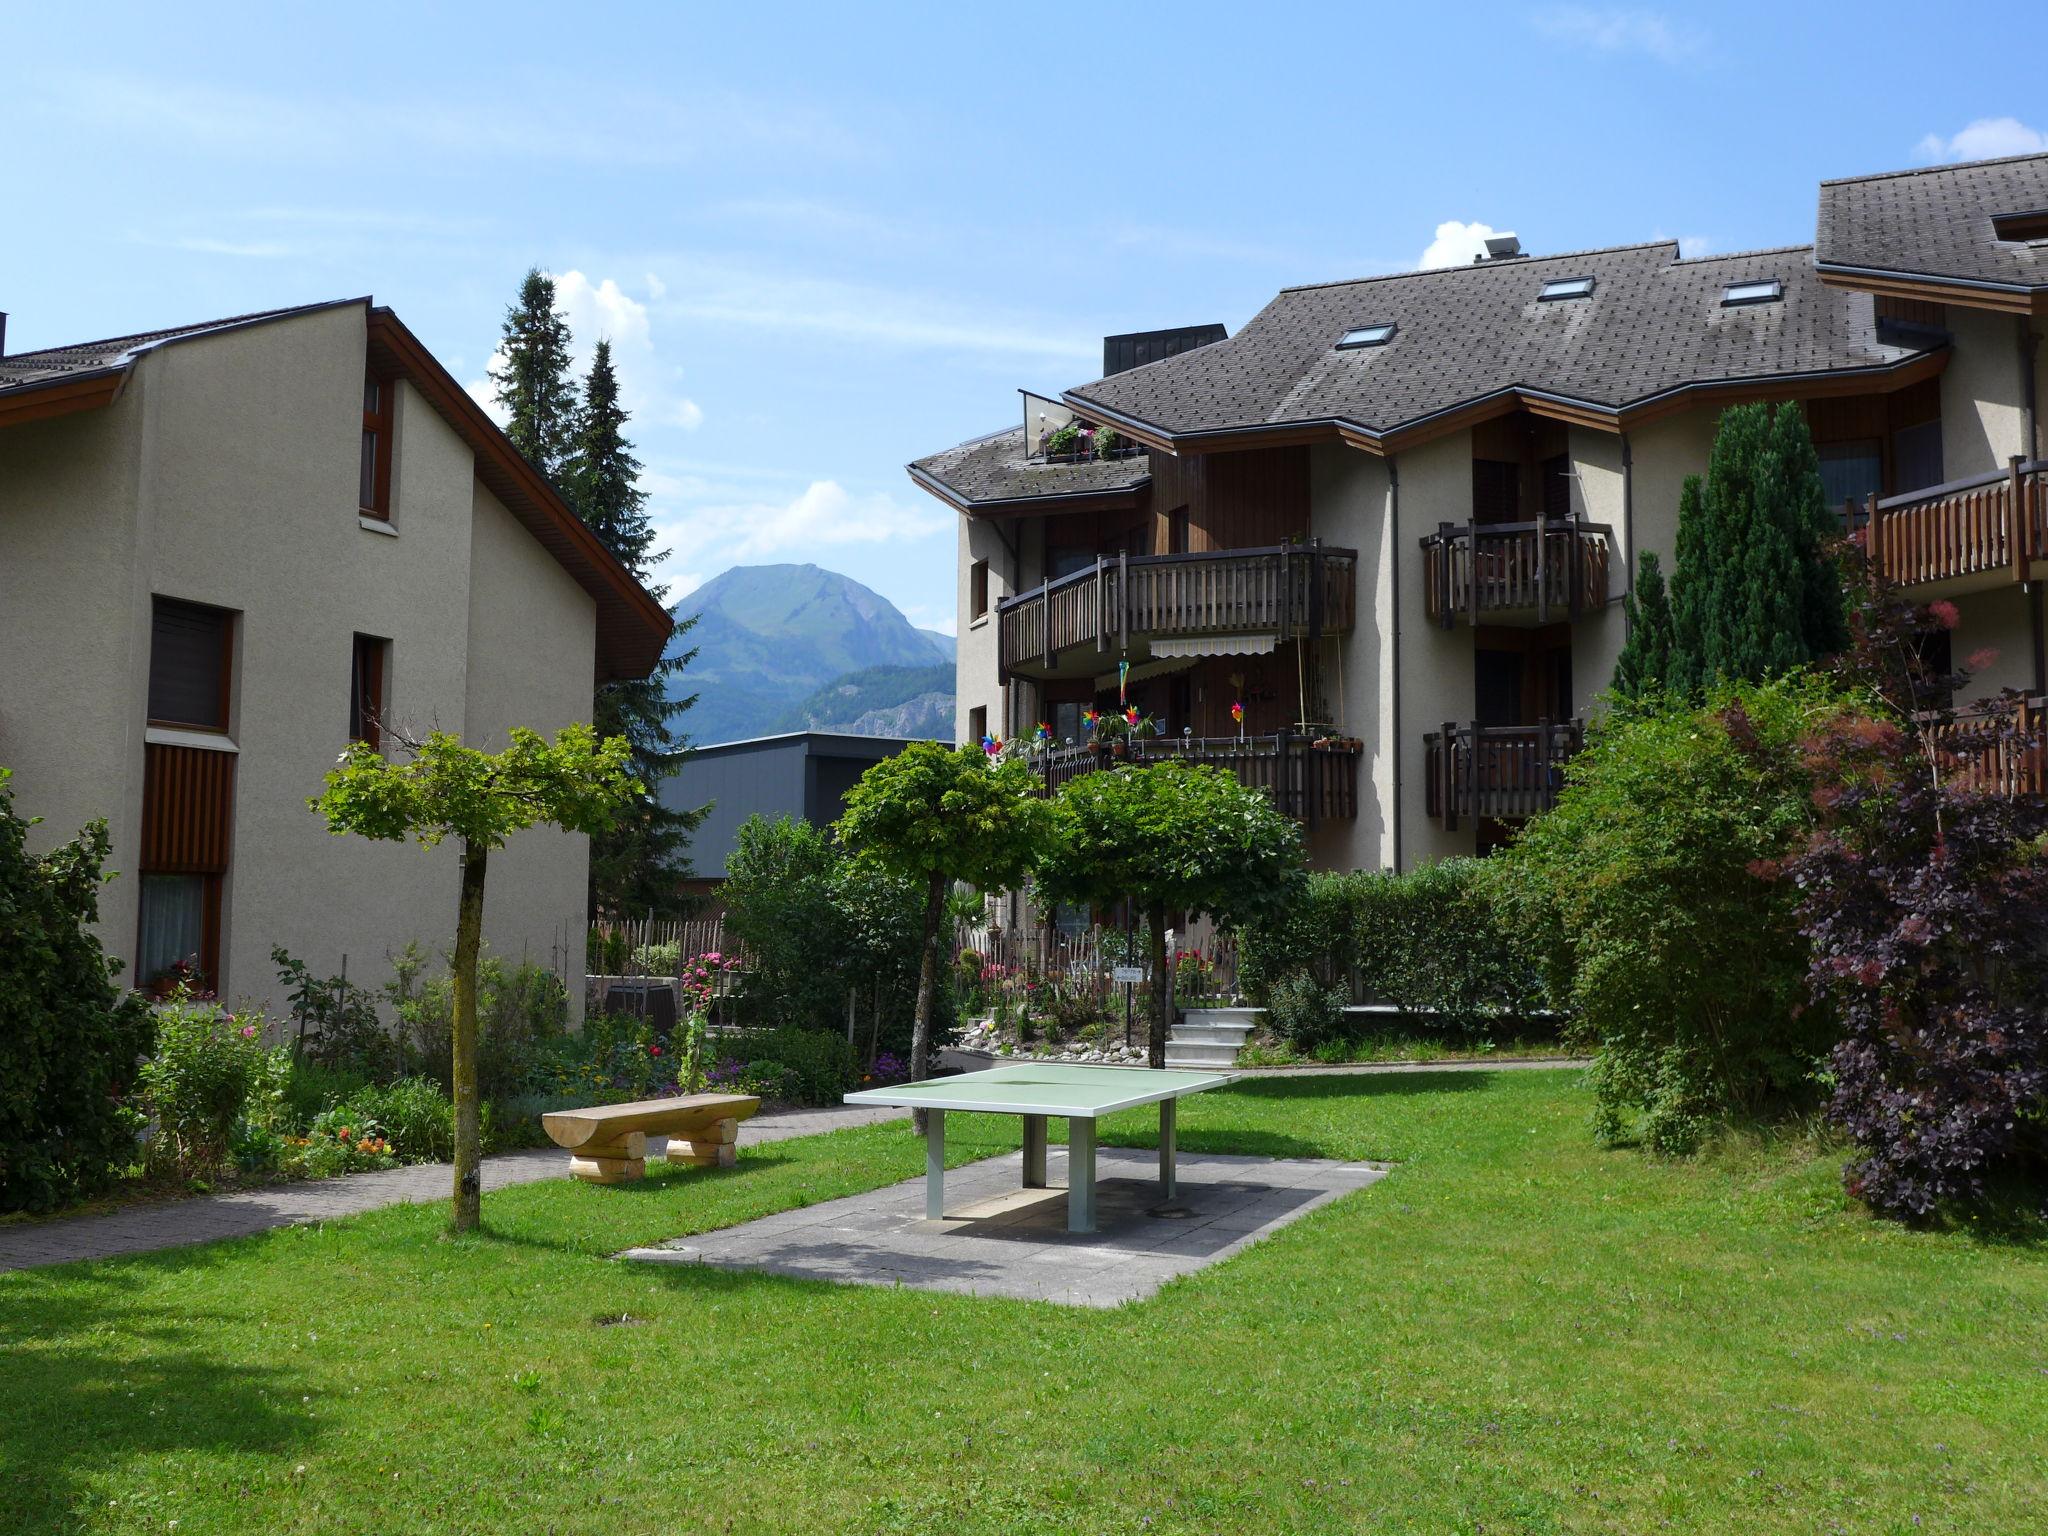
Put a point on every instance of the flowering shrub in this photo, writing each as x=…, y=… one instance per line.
x=211, y=1068
x=1926, y=902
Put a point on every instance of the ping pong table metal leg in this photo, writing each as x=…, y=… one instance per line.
x=1167, y=1150
x=1080, y=1175
x=1034, y=1151
x=935, y=1165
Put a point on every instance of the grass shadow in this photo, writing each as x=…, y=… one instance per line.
x=1361, y=1085
x=97, y=1380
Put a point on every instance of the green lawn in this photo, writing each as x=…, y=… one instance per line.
x=1513, y=1332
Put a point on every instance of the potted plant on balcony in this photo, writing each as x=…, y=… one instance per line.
x=1064, y=442
x=1120, y=730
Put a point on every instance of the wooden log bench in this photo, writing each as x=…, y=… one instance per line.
x=608, y=1142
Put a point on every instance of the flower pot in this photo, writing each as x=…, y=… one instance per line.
x=1120, y=749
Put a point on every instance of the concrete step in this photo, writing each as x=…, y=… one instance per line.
x=1185, y=1053
x=1204, y=1033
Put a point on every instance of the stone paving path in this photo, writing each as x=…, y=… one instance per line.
x=206, y=1218
x=1002, y=1240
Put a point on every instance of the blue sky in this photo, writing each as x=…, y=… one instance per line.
x=827, y=240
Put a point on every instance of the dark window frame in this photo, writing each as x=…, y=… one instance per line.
x=369, y=661
x=1545, y=296
x=1377, y=334
x=225, y=689
x=977, y=590
x=377, y=422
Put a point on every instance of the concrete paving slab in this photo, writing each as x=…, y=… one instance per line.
x=1001, y=1240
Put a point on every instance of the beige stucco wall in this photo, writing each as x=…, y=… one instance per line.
x=1433, y=667
x=976, y=660
x=1348, y=502
x=1982, y=394
x=2000, y=621
x=227, y=474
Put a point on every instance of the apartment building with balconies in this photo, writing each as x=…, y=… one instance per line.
x=1392, y=520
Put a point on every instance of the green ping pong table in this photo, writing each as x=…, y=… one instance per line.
x=1080, y=1094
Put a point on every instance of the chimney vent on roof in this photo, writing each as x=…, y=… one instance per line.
x=1134, y=349
x=3, y=333
x=1505, y=246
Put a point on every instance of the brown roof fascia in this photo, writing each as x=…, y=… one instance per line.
x=1033, y=506
x=1938, y=290
x=62, y=396
x=1881, y=380
x=632, y=628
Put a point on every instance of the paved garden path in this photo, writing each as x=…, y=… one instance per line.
x=206, y=1218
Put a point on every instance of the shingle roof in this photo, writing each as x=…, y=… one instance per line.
x=1936, y=222
x=1654, y=323
x=995, y=468
x=21, y=370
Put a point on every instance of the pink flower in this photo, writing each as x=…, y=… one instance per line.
x=1944, y=613
x=248, y=1031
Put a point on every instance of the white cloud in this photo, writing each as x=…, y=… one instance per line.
x=207, y=245
x=1689, y=246
x=1987, y=138
x=1456, y=244
x=485, y=393
x=601, y=309
x=1617, y=30
x=688, y=414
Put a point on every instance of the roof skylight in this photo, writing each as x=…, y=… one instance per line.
x=1566, y=288
x=1366, y=336
x=1763, y=291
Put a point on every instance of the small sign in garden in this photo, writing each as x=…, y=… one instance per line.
x=1128, y=973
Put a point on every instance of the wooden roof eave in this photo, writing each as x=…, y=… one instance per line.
x=632, y=627
x=2009, y=299
x=63, y=396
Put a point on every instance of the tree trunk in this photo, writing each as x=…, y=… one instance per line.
x=469, y=930
x=927, y=986
x=1155, y=1046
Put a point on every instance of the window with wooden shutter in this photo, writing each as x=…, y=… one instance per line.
x=977, y=589
x=1496, y=490
x=191, y=651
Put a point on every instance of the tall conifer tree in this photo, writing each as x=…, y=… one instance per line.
x=1644, y=666
x=636, y=867
x=1754, y=591
x=535, y=382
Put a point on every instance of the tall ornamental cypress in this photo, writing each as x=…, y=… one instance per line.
x=1755, y=591
x=637, y=865
x=1644, y=666
x=535, y=383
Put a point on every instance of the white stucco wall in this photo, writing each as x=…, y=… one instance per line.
x=227, y=474
x=976, y=660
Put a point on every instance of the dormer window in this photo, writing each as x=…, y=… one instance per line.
x=1366, y=336
x=2029, y=228
x=1763, y=291
x=1566, y=288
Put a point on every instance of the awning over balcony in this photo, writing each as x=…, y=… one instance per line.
x=1216, y=645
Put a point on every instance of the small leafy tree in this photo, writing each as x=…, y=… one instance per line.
x=1172, y=837
x=1641, y=896
x=934, y=815
x=1925, y=897
x=71, y=1039
x=779, y=905
x=444, y=789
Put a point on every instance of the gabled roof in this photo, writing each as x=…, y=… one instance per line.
x=1934, y=228
x=994, y=474
x=1476, y=340
x=632, y=627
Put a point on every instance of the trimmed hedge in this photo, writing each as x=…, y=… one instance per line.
x=1430, y=942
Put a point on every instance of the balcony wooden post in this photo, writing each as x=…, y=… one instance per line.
x=1123, y=600
x=2017, y=521
x=1542, y=567
x=1315, y=580
x=1873, y=542
x=1101, y=627
x=1575, y=556
x=1446, y=613
x=1449, y=770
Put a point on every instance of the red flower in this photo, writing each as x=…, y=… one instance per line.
x=654, y=1050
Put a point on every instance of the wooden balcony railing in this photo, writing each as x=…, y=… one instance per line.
x=1540, y=570
x=1979, y=756
x=1288, y=591
x=1985, y=525
x=1309, y=782
x=1502, y=772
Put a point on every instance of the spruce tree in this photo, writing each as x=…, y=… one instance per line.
x=1754, y=591
x=534, y=383
x=637, y=865
x=1644, y=666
